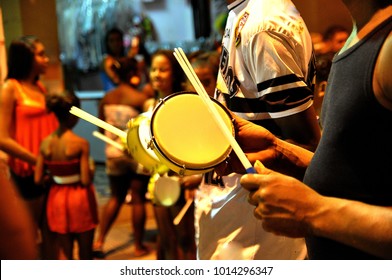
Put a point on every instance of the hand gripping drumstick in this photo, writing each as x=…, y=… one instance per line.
x=194, y=79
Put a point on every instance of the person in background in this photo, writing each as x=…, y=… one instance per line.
x=118, y=106
x=334, y=38
x=166, y=77
x=206, y=67
x=332, y=41
x=24, y=123
x=323, y=66
x=343, y=204
x=138, y=51
x=174, y=241
x=17, y=236
x=265, y=76
x=71, y=207
x=219, y=28
x=115, y=49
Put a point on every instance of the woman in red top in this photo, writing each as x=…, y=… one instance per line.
x=24, y=120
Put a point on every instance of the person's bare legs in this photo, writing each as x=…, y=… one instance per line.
x=118, y=188
x=49, y=244
x=138, y=191
x=66, y=245
x=167, y=248
x=186, y=234
x=109, y=215
x=36, y=207
x=138, y=224
x=85, y=243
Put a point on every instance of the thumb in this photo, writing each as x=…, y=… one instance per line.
x=254, y=181
x=260, y=168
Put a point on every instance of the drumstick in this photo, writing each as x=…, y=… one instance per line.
x=195, y=81
x=98, y=122
x=181, y=214
x=108, y=140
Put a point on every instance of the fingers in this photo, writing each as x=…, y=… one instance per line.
x=257, y=214
x=254, y=181
x=253, y=199
x=251, y=182
x=255, y=184
x=189, y=194
x=259, y=167
x=229, y=165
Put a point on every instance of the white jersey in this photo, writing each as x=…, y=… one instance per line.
x=264, y=69
x=266, y=72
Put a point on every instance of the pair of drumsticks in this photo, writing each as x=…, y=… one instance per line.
x=190, y=73
x=195, y=81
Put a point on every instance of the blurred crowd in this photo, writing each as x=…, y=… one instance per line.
x=285, y=93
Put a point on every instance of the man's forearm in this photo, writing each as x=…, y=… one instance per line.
x=292, y=159
x=362, y=226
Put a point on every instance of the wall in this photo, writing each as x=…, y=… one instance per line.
x=36, y=17
x=172, y=19
x=12, y=21
x=319, y=14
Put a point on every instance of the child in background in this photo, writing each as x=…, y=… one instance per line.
x=206, y=67
x=175, y=242
x=117, y=107
x=71, y=207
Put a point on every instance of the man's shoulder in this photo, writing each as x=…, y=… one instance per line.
x=266, y=16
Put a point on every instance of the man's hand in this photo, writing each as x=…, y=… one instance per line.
x=283, y=204
x=255, y=141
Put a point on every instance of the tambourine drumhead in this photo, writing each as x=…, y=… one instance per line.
x=164, y=190
x=138, y=137
x=185, y=137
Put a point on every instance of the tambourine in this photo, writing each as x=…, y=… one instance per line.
x=185, y=138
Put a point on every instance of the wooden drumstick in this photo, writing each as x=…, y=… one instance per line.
x=98, y=122
x=181, y=214
x=195, y=81
x=108, y=140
